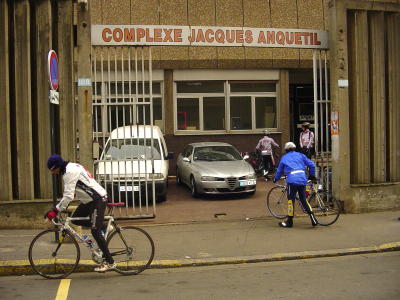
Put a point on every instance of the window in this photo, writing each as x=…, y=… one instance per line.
x=187, y=151
x=265, y=112
x=189, y=109
x=115, y=104
x=132, y=148
x=214, y=119
x=240, y=112
x=225, y=106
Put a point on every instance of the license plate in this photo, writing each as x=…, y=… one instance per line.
x=129, y=188
x=247, y=182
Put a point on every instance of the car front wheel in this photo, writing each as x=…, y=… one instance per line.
x=193, y=187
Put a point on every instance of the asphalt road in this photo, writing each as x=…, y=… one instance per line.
x=373, y=276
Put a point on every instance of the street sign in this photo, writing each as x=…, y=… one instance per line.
x=54, y=97
x=84, y=82
x=52, y=67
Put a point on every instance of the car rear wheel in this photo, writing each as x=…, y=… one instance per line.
x=193, y=188
x=178, y=177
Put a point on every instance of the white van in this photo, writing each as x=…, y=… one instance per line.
x=134, y=157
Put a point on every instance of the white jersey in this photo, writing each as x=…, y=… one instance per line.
x=77, y=177
x=265, y=145
x=307, y=139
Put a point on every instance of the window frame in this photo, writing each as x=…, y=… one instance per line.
x=104, y=101
x=227, y=95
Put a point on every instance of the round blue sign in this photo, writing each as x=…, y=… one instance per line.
x=53, y=69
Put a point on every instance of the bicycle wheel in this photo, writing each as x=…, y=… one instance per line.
x=54, y=259
x=132, y=249
x=277, y=202
x=326, y=209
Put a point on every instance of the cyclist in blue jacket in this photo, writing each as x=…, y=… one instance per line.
x=293, y=164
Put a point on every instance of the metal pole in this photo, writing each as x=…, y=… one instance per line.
x=54, y=177
x=315, y=80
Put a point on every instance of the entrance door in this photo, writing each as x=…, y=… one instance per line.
x=127, y=142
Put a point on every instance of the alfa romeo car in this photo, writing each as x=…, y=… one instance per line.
x=214, y=168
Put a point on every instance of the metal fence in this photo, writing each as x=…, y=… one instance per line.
x=125, y=147
x=322, y=118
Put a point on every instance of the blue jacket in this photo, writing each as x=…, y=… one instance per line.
x=294, y=164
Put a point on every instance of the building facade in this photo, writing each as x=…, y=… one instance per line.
x=208, y=92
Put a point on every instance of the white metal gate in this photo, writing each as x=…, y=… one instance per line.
x=123, y=129
x=322, y=111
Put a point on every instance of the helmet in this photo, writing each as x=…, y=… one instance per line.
x=289, y=146
x=55, y=161
x=305, y=125
x=266, y=132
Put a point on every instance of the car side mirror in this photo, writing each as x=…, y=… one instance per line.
x=186, y=159
x=170, y=155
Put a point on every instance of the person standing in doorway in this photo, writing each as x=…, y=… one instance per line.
x=264, y=146
x=306, y=140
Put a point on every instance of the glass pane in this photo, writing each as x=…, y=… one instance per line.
x=188, y=114
x=306, y=111
x=119, y=115
x=214, y=113
x=96, y=88
x=216, y=153
x=200, y=86
x=156, y=88
x=266, y=112
x=144, y=112
x=240, y=113
x=132, y=148
x=252, y=87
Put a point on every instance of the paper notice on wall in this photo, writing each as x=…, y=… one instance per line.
x=334, y=122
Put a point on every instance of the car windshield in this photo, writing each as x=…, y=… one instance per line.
x=216, y=153
x=132, y=149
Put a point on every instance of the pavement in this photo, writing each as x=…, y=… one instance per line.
x=233, y=241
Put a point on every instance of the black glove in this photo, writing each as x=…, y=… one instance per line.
x=312, y=178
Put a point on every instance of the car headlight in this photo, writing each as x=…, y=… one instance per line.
x=251, y=176
x=208, y=178
x=156, y=176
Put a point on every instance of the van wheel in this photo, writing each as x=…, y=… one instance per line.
x=193, y=188
x=178, y=178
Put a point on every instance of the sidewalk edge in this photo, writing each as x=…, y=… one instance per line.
x=22, y=267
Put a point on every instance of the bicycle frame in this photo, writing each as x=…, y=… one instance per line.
x=313, y=191
x=65, y=226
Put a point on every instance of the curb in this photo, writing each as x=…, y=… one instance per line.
x=23, y=267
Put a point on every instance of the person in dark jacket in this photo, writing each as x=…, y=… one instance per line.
x=293, y=164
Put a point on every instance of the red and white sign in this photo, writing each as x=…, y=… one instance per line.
x=52, y=68
x=170, y=35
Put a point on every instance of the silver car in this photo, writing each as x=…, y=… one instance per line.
x=214, y=168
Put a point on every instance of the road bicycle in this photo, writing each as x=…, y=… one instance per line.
x=326, y=208
x=54, y=253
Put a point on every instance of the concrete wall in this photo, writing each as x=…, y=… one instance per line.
x=365, y=152
x=310, y=14
x=28, y=30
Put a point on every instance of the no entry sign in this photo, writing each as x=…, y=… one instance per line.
x=52, y=64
